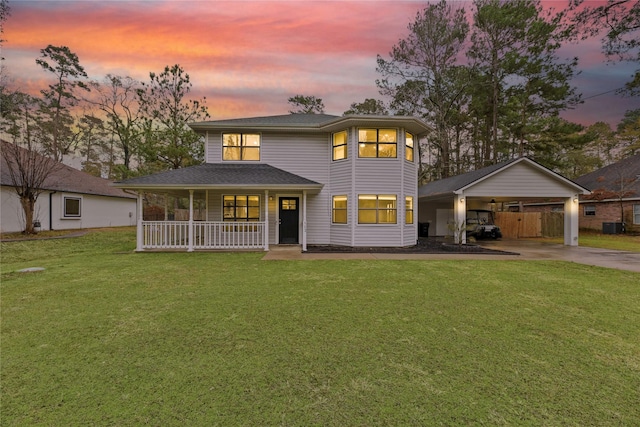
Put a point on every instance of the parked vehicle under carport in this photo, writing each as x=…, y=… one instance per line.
x=481, y=225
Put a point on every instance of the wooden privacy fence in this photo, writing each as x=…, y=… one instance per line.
x=516, y=225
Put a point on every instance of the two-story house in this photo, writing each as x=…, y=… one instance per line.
x=293, y=179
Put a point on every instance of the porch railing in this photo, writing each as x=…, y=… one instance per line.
x=206, y=235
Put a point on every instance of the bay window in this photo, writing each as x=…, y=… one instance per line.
x=377, y=209
x=339, y=210
x=377, y=143
x=340, y=145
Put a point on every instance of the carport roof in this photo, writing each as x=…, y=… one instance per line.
x=456, y=184
x=218, y=175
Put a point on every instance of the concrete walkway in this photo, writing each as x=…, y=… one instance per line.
x=530, y=250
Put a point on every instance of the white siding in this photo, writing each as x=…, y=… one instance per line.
x=96, y=211
x=309, y=156
x=520, y=180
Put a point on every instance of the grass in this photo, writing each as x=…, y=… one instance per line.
x=620, y=242
x=105, y=336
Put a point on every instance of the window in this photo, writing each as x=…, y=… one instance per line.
x=377, y=209
x=636, y=214
x=72, y=207
x=377, y=143
x=589, y=210
x=408, y=150
x=408, y=210
x=240, y=146
x=241, y=208
x=340, y=145
x=339, y=210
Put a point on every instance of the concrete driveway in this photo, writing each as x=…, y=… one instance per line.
x=523, y=249
x=537, y=250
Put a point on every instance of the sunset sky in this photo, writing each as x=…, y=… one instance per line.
x=249, y=57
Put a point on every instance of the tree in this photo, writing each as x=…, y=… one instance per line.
x=424, y=76
x=514, y=50
x=92, y=143
x=118, y=98
x=619, y=23
x=306, y=105
x=629, y=132
x=60, y=97
x=166, y=112
x=5, y=11
x=368, y=107
x=24, y=162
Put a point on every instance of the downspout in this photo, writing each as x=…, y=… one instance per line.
x=51, y=210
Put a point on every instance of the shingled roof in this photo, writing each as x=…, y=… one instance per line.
x=67, y=179
x=304, y=123
x=620, y=178
x=220, y=175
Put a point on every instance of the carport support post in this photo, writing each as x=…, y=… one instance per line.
x=571, y=210
x=460, y=219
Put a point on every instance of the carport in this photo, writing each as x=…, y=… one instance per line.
x=443, y=204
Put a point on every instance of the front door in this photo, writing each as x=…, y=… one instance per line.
x=289, y=220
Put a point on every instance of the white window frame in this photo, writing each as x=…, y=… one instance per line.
x=589, y=210
x=636, y=214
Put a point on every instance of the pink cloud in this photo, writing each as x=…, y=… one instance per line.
x=247, y=57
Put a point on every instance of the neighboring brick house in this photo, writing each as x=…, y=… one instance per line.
x=615, y=196
x=614, y=202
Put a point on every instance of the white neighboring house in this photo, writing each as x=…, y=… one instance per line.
x=71, y=199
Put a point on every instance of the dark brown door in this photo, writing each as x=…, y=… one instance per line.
x=289, y=219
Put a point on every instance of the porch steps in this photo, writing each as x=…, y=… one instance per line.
x=284, y=252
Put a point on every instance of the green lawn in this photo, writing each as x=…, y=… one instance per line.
x=105, y=336
x=619, y=242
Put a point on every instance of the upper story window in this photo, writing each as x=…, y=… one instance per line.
x=377, y=209
x=340, y=145
x=377, y=143
x=408, y=150
x=240, y=146
x=241, y=208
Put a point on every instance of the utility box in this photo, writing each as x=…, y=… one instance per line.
x=612, y=228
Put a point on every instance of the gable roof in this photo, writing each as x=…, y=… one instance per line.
x=69, y=180
x=311, y=123
x=221, y=175
x=457, y=184
x=622, y=176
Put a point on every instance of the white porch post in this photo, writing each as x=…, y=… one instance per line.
x=266, y=220
x=139, y=229
x=166, y=207
x=459, y=218
x=571, y=210
x=304, y=220
x=190, y=246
